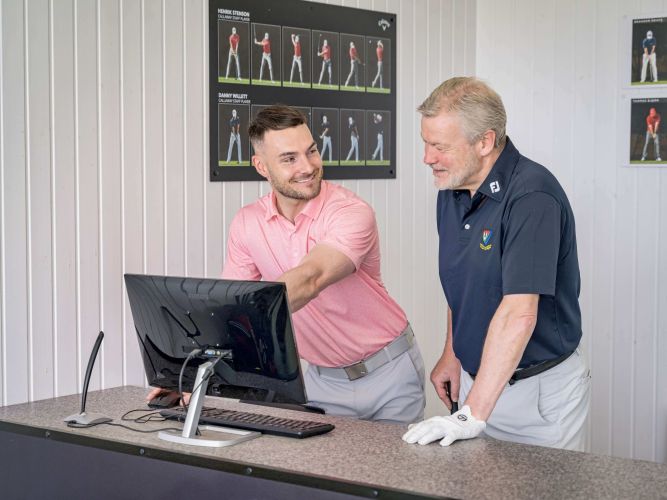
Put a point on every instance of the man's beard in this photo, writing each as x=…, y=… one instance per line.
x=288, y=191
x=455, y=181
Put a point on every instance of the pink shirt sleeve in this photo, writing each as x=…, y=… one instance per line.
x=239, y=264
x=352, y=230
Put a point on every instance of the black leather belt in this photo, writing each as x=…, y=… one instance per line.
x=532, y=370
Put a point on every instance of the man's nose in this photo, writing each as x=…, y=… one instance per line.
x=429, y=157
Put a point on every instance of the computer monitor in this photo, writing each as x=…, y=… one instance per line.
x=246, y=322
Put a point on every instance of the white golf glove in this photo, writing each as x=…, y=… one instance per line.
x=460, y=425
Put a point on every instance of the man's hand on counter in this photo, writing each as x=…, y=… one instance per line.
x=157, y=392
x=460, y=425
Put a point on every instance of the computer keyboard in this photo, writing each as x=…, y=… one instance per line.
x=254, y=422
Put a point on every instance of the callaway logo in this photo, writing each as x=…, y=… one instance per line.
x=384, y=24
x=494, y=186
x=486, y=237
x=462, y=417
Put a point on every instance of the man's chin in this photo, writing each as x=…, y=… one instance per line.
x=441, y=184
x=304, y=193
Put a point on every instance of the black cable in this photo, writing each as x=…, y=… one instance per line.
x=142, y=431
x=151, y=417
x=206, y=378
x=192, y=354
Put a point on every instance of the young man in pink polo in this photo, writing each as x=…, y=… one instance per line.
x=322, y=241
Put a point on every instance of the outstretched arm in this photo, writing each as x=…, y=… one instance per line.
x=323, y=266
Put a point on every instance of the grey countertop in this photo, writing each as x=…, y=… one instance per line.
x=364, y=453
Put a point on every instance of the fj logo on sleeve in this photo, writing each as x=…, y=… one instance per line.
x=486, y=237
x=495, y=186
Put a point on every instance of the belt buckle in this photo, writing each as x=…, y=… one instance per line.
x=356, y=370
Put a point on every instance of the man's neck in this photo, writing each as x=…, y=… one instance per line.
x=289, y=208
x=487, y=165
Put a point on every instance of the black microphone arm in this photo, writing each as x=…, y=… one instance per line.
x=89, y=370
x=83, y=419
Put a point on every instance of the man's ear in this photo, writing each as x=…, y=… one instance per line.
x=258, y=163
x=487, y=143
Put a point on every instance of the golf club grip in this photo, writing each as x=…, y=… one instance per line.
x=455, y=404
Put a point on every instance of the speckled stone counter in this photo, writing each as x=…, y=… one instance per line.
x=359, y=458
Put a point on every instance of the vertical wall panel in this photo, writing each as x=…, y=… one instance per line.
x=132, y=171
x=87, y=188
x=64, y=196
x=599, y=320
x=173, y=72
x=40, y=254
x=153, y=86
x=659, y=430
x=15, y=222
x=3, y=365
x=110, y=192
x=194, y=149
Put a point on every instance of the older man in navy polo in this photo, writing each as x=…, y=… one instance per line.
x=510, y=272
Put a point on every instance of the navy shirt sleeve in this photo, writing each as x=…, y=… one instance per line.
x=531, y=242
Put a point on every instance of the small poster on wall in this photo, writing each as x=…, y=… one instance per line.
x=649, y=51
x=647, y=137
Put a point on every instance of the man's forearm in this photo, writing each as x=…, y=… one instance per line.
x=322, y=267
x=509, y=332
x=302, y=286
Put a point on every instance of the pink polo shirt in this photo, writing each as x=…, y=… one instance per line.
x=349, y=320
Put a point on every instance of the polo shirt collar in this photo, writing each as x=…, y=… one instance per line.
x=495, y=184
x=311, y=210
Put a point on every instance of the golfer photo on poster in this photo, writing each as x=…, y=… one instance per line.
x=233, y=135
x=353, y=65
x=296, y=57
x=266, y=49
x=647, y=134
x=352, y=137
x=233, y=52
x=378, y=68
x=649, y=51
x=325, y=133
x=325, y=60
x=378, y=137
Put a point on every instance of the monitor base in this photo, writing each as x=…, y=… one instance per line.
x=207, y=435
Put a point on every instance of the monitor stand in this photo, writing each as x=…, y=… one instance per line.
x=207, y=436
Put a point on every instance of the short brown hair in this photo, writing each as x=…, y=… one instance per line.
x=276, y=117
x=479, y=107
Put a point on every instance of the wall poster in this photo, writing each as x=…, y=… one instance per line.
x=646, y=129
x=336, y=64
x=649, y=51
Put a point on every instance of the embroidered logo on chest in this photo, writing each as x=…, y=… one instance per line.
x=486, y=237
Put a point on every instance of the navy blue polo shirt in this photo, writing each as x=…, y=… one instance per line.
x=515, y=236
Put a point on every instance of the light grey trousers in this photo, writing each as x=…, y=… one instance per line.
x=548, y=409
x=392, y=393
